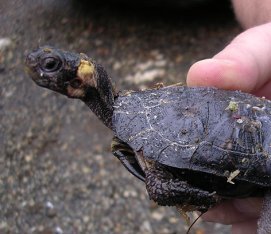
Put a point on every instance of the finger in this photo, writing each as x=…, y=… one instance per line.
x=224, y=213
x=250, y=206
x=244, y=64
x=251, y=13
x=227, y=213
x=248, y=227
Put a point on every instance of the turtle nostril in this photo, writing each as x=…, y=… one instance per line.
x=30, y=60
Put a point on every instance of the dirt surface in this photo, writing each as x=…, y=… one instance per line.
x=57, y=174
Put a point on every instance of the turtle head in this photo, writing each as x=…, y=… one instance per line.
x=67, y=73
x=74, y=75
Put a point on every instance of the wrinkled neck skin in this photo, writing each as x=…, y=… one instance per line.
x=101, y=99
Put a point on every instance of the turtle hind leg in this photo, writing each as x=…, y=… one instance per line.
x=127, y=157
x=165, y=189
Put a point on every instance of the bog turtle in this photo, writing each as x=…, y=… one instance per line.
x=193, y=147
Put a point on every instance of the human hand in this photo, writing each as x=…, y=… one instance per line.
x=242, y=214
x=245, y=64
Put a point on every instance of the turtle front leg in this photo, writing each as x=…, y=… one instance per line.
x=127, y=157
x=167, y=190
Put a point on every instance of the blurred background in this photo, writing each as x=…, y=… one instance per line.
x=57, y=174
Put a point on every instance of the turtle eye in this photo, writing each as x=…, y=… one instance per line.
x=50, y=64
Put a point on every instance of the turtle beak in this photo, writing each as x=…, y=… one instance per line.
x=31, y=66
x=31, y=60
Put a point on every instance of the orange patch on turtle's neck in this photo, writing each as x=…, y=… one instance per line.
x=85, y=73
x=86, y=76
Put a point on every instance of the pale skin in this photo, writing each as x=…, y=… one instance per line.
x=245, y=64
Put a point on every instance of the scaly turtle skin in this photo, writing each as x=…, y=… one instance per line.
x=193, y=147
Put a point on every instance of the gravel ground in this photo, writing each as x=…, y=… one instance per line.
x=57, y=174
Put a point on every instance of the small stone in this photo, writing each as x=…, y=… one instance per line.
x=58, y=230
x=86, y=170
x=3, y=225
x=86, y=219
x=40, y=228
x=146, y=76
x=130, y=193
x=157, y=215
x=116, y=66
x=173, y=220
x=5, y=43
x=146, y=227
x=28, y=158
x=50, y=210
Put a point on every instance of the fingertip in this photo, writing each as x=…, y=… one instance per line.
x=221, y=73
x=204, y=73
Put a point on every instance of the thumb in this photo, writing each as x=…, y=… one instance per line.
x=245, y=64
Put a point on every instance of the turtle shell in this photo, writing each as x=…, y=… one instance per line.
x=207, y=130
